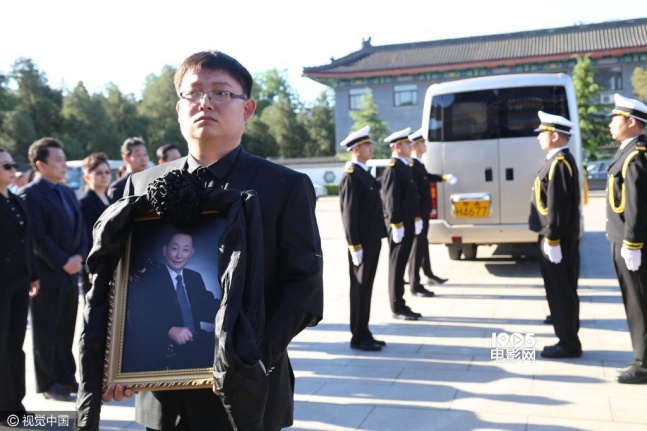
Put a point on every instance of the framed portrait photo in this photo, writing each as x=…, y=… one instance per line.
x=163, y=305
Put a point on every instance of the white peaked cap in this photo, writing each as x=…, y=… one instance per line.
x=629, y=108
x=356, y=138
x=554, y=123
x=401, y=135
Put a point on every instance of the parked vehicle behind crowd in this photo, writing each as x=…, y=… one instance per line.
x=482, y=131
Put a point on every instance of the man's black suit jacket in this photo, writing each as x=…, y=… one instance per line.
x=153, y=309
x=116, y=188
x=16, y=254
x=55, y=237
x=293, y=267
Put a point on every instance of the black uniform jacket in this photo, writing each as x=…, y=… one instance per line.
x=361, y=206
x=240, y=320
x=627, y=195
x=55, y=237
x=422, y=178
x=17, y=261
x=400, y=194
x=555, y=199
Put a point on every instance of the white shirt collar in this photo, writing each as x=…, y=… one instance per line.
x=554, y=151
x=405, y=161
x=366, y=168
x=173, y=275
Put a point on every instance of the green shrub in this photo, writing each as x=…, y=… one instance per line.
x=333, y=189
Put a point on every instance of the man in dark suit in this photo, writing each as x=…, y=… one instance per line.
x=402, y=218
x=19, y=283
x=419, y=257
x=555, y=216
x=627, y=225
x=214, y=105
x=60, y=244
x=361, y=211
x=166, y=305
x=135, y=155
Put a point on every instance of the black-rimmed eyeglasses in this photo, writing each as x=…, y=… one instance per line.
x=10, y=166
x=216, y=96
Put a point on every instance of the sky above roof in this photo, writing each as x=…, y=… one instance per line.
x=123, y=41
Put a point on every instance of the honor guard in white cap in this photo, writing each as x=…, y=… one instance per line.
x=555, y=216
x=402, y=217
x=627, y=224
x=361, y=212
x=419, y=257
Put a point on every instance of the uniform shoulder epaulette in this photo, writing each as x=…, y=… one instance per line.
x=559, y=158
x=349, y=168
x=640, y=146
x=392, y=163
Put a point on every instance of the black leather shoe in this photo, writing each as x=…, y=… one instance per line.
x=634, y=375
x=422, y=292
x=548, y=320
x=56, y=392
x=557, y=352
x=434, y=279
x=379, y=342
x=367, y=346
x=406, y=314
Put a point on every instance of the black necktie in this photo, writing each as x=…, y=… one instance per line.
x=67, y=207
x=183, y=300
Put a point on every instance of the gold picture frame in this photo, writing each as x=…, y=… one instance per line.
x=144, y=301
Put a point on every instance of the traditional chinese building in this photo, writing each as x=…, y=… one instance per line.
x=398, y=75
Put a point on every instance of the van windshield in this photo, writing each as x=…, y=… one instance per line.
x=493, y=113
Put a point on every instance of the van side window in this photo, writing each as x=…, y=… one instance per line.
x=493, y=114
x=519, y=106
x=463, y=117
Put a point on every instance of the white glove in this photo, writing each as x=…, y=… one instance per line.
x=356, y=256
x=451, y=179
x=418, y=225
x=397, y=233
x=554, y=252
x=632, y=258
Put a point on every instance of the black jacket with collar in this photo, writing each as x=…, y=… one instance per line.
x=627, y=217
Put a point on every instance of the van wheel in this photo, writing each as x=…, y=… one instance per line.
x=454, y=251
x=469, y=251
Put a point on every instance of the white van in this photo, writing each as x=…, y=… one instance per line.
x=482, y=131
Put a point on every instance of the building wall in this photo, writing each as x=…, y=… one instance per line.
x=399, y=118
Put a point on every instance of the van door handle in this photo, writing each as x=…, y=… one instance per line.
x=509, y=174
x=488, y=174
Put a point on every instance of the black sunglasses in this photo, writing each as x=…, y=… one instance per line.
x=9, y=166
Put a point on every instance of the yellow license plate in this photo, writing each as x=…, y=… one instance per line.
x=471, y=209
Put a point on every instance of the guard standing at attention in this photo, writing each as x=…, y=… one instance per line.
x=402, y=218
x=361, y=212
x=627, y=225
x=419, y=258
x=555, y=216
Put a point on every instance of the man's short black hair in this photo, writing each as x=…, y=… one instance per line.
x=39, y=150
x=130, y=143
x=162, y=152
x=215, y=60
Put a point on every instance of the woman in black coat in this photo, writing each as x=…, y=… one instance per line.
x=18, y=282
x=97, y=176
